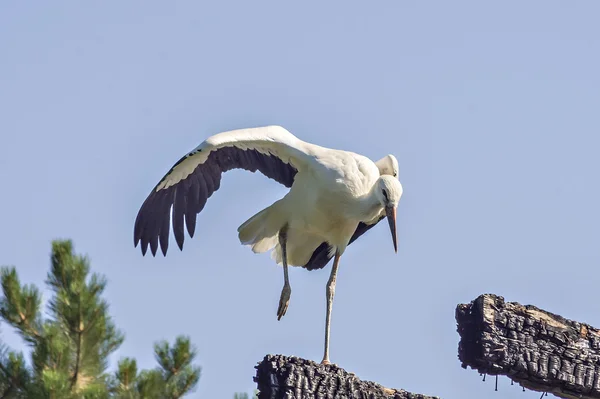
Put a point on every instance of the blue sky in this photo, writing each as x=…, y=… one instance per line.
x=491, y=110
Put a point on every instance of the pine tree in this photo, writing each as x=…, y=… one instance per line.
x=174, y=377
x=70, y=348
x=244, y=395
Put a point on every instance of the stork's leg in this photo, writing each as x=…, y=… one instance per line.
x=284, y=300
x=330, y=293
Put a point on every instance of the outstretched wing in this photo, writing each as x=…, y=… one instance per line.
x=272, y=150
x=321, y=257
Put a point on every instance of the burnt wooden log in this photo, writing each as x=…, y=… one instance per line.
x=279, y=377
x=539, y=350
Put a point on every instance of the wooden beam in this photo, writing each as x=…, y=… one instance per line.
x=279, y=377
x=539, y=350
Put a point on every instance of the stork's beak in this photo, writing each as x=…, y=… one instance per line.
x=390, y=211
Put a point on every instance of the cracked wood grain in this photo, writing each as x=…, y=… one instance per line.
x=539, y=350
x=280, y=377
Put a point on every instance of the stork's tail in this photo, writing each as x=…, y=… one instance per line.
x=261, y=231
x=300, y=247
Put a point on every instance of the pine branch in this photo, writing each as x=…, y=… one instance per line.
x=77, y=349
x=12, y=382
x=27, y=329
x=19, y=305
x=77, y=361
x=178, y=373
x=16, y=375
x=8, y=391
x=190, y=382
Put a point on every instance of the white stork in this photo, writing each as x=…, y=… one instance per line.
x=335, y=196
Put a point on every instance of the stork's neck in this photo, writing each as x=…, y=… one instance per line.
x=370, y=205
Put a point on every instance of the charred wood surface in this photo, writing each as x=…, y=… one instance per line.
x=540, y=350
x=280, y=377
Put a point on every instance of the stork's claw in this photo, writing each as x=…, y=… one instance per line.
x=327, y=362
x=284, y=301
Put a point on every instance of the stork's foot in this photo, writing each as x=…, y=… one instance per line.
x=327, y=362
x=284, y=301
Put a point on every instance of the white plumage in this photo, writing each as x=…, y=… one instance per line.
x=335, y=196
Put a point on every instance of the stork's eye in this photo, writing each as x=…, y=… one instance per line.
x=395, y=174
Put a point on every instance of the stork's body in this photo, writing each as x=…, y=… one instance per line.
x=335, y=196
x=324, y=205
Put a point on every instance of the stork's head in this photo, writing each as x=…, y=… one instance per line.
x=388, y=191
x=388, y=165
